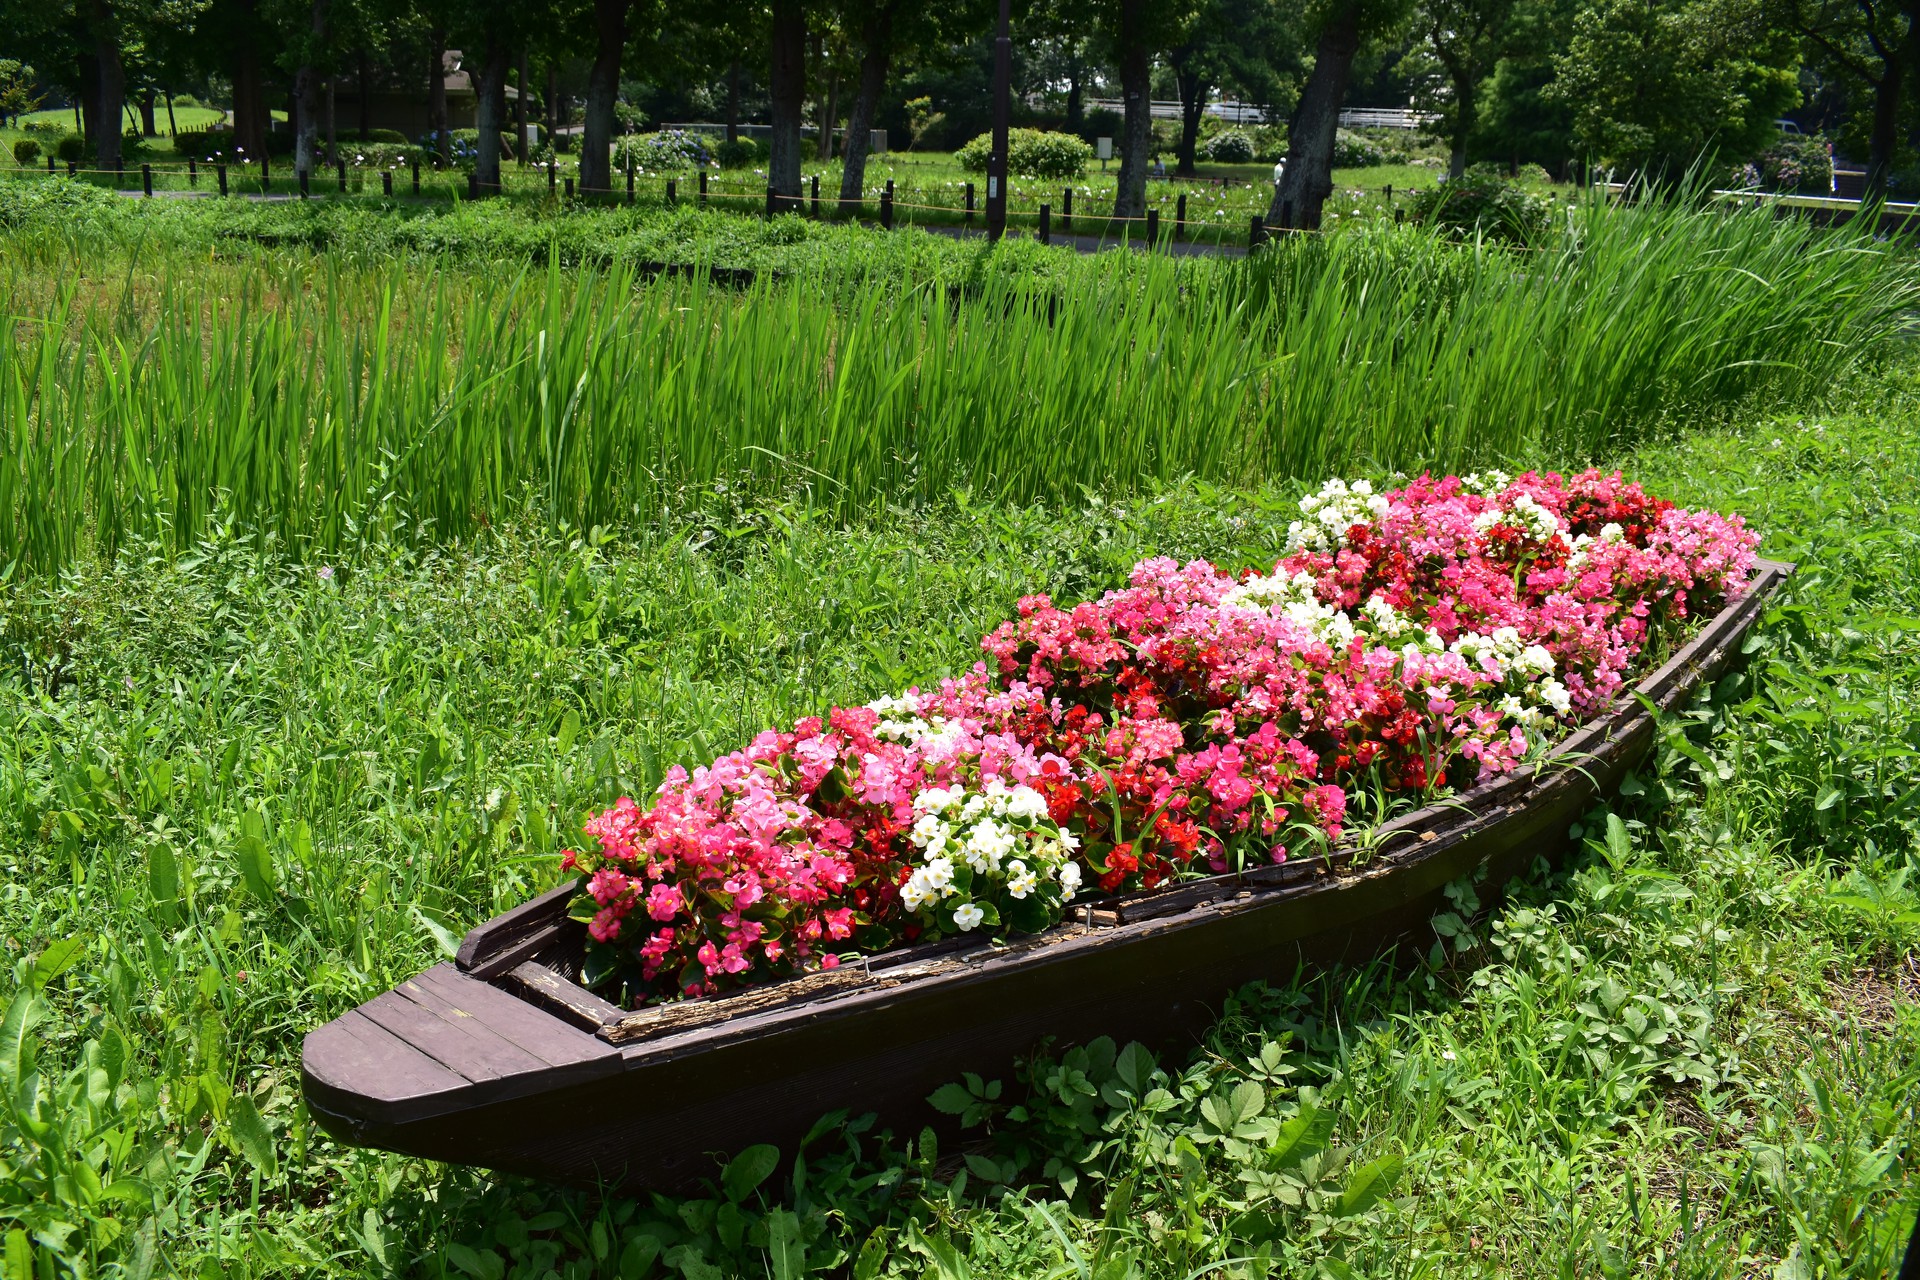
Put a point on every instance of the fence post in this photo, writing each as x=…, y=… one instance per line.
x=770, y=199
x=1179, y=214
x=886, y=207
x=1046, y=224
x=193, y=172
x=416, y=177
x=1399, y=215
x=386, y=183
x=553, y=175
x=303, y=183
x=569, y=186
x=473, y=184
x=73, y=168
x=50, y=169
x=1389, y=193
x=1066, y=210
x=629, y=176
x=969, y=217
x=146, y=180
x=341, y=167
x=816, y=195
x=673, y=196
x=703, y=188
x=1153, y=227
x=220, y=172
x=266, y=177
x=1286, y=214
x=1256, y=233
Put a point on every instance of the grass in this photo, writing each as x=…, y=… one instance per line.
x=243, y=787
x=328, y=399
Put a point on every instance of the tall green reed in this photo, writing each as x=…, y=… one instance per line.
x=314, y=395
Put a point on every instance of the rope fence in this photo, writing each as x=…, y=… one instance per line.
x=252, y=179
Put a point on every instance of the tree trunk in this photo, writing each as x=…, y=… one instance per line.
x=89, y=104
x=1310, y=136
x=173, y=126
x=333, y=125
x=830, y=112
x=1466, y=110
x=1193, y=105
x=149, y=125
x=788, y=84
x=307, y=89
x=553, y=105
x=733, y=101
x=487, y=116
x=603, y=89
x=363, y=73
x=112, y=85
x=1076, y=99
x=1884, y=133
x=875, y=54
x=249, y=103
x=522, y=150
x=1136, y=70
x=437, y=94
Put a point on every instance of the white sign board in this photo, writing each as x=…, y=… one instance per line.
x=876, y=141
x=1103, y=147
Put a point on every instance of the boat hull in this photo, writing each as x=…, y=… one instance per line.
x=654, y=1107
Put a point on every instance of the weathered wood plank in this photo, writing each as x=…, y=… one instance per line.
x=358, y=1056
x=463, y=1046
x=542, y=987
x=487, y=940
x=540, y=1034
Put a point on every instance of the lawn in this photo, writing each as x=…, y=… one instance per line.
x=251, y=775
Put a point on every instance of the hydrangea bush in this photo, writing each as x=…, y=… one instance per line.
x=1192, y=722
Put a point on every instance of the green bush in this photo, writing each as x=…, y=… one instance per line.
x=26, y=151
x=1353, y=151
x=741, y=153
x=71, y=149
x=669, y=149
x=389, y=137
x=1102, y=122
x=1482, y=202
x=1031, y=153
x=186, y=100
x=1231, y=147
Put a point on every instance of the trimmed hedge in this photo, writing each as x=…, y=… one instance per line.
x=1031, y=153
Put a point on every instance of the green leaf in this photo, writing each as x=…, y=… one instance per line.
x=748, y=1170
x=1619, y=845
x=256, y=867
x=1135, y=1067
x=637, y=1258
x=56, y=960
x=785, y=1252
x=251, y=1135
x=163, y=877
x=442, y=937
x=1828, y=798
x=984, y=1167
x=1303, y=1136
x=873, y=1257
x=1369, y=1184
x=950, y=1099
x=16, y=1049
x=947, y=1262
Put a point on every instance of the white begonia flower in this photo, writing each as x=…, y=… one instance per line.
x=1555, y=695
x=1025, y=803
x=930, y=832
x=916, y=893
x=987, y=844
x=935, y=800
x=1020, y=881
x=1068, y=843
x=1069, y=877
x=968, y=917
x=939, y=874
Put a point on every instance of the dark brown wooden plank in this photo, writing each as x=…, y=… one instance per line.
x=539, y=1033
x=561, y=997
x=463, y=1045
x=357, y=1056
x=511, y=955
x=509, y=927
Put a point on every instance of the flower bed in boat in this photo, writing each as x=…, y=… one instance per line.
x=1407, y=641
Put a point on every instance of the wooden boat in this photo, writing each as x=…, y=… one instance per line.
x=501, y=1059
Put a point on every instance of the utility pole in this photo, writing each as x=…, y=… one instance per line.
x=1002, y=109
